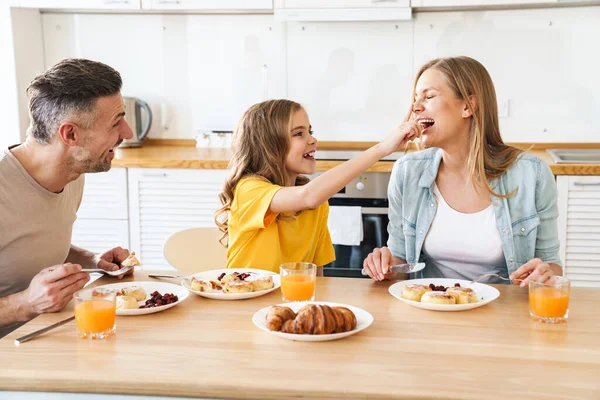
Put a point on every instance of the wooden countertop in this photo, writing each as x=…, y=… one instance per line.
x=156, y=155
x=210, y=348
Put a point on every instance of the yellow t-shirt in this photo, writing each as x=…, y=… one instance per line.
x=258, y=240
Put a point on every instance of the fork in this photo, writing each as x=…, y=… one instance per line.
x=498, y=276
x=111, y=273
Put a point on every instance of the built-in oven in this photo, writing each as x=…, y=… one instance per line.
x=369, y=192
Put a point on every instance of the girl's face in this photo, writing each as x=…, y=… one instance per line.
x=444, y=118
x=300, y=159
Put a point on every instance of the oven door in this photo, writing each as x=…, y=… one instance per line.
x=349, y=259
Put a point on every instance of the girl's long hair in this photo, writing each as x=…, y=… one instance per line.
x=489, y=157
x=261, y=142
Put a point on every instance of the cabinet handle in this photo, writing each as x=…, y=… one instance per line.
x=168, y=2
x=586, y=183
x=115, y=1
x=383, y=1
x=154, y=174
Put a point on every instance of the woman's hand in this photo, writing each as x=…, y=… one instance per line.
x=535, y=270
x=400, y=135
x=378, y=262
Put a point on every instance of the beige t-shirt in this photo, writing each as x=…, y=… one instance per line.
x=35, y=226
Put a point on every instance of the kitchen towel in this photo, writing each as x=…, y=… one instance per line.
x=345, y=225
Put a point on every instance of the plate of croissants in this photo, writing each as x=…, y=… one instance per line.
x=443, y=294
x=232, y=284
x=312, y=321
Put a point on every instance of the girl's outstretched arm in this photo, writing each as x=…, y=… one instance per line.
x=323, y=187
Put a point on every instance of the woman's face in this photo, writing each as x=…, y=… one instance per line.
x=444, y=118
x=300, y=159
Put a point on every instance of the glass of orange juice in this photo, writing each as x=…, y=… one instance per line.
x=549, y=300
x=298, y=281
x=95, y=313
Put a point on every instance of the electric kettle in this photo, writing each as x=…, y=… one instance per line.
x=133, y=116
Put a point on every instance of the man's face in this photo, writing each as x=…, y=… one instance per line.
x=108, y=131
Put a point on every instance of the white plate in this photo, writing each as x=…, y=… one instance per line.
x=485, y=293
x=363, y=320
x=150, y=287
x=219, y=295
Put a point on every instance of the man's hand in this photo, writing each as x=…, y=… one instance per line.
x=112, y=259
x=52, y=288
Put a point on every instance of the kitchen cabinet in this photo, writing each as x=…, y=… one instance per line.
x=102, y=219
x=579, y=228
x=342, y=10
x=165, y=201
x=492, y=3
x=200, y=5
x=300, y=4
x=80, y=4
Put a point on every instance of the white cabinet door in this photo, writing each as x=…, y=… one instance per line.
x=105, y=195
x=300, y=4
x=83, y=4
x=102, y=216
x=494, y=3
x=199, y=5
x=165, y=201
x=475, y=3
x=100, y=235
x=579, y=228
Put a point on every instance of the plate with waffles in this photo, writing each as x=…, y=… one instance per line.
x=443, y=294
x=232, y=284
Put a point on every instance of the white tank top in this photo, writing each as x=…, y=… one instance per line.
x=463, y=246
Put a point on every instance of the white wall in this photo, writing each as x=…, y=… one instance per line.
x=354, y=78
x=9, y=113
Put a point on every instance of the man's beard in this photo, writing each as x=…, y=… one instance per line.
x=85, y=164
x=91, y=166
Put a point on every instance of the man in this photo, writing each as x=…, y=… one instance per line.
x=77, y=119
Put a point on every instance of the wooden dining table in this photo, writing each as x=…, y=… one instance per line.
x=211, y=349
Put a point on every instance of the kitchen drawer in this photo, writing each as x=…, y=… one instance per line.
x=99, y=235
x=105, y=195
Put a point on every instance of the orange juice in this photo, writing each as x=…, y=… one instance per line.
x=548, y=302
x=298, y=287
x=95, y=316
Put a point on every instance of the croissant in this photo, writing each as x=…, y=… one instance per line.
x=320, y=320
x=277, y=315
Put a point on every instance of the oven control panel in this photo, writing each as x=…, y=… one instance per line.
x=370, y=185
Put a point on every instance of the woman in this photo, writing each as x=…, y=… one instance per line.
x=468, y=205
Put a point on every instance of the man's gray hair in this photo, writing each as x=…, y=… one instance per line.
x=68, y=90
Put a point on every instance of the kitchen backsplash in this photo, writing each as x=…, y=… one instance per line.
x=200, y=72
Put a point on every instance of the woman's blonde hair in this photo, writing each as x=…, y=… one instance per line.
x=261, y=142
x=489, y=157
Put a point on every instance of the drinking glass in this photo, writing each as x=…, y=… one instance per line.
x=298, y=281
x=95, y=313
x=549, y=300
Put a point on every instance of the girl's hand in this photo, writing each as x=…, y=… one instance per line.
x=378, y=262
x=535, y=270
x=400, y=135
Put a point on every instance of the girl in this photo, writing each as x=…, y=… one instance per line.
x=469, y=205
x=271, y=212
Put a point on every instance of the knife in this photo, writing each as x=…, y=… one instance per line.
x=403, y=268
x=43, y=330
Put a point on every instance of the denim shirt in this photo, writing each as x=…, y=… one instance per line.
x=527, y=221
